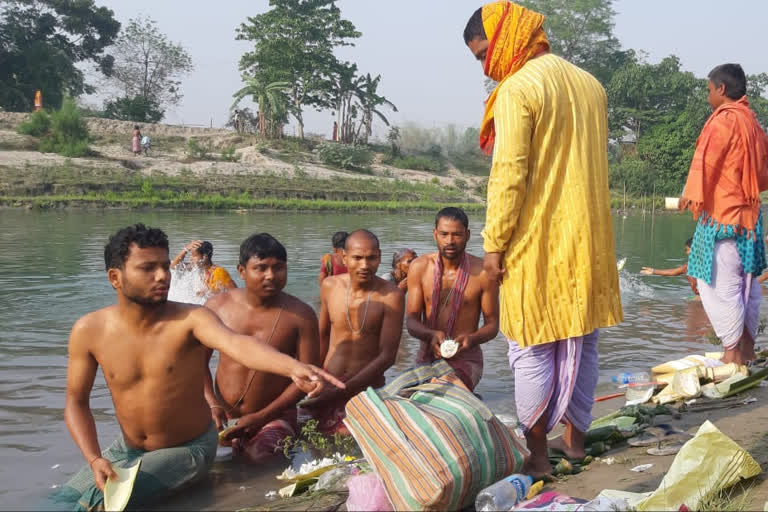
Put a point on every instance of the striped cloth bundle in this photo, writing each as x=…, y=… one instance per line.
x=434, y=444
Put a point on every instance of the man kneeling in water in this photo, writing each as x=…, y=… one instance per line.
x=264, y=404
x=153, y=355
x=361, y=323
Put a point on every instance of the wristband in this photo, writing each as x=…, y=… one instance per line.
x=94, y=460
x=217, y=407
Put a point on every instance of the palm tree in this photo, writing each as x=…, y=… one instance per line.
x=273, y=101
x=369, y=101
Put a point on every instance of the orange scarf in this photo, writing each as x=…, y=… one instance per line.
x=515, y=37
x=729, y=168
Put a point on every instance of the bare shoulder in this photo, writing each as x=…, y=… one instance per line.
x=299, y=308
x=389, y=291
x=475, y=265
x=222, y=301
x=333, y=283
x=88, y=327
x=423, y=262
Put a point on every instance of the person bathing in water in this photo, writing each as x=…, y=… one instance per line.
x=447, y=292
x=153, y=355
x=215, y=278
x=333, y=263
x=682, y=270
x=401, y=262
x=361, y=322
x=265, y=404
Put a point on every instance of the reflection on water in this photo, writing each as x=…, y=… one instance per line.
x=51, y=272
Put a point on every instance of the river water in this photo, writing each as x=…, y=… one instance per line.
x=52, y=272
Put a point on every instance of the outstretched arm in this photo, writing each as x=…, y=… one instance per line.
x=678, y=271
x=81, y=372
x=249, y=352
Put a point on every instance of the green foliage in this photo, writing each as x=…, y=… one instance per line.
x=229, y=154
x=419, y=163
x=638, y=176
x=41, y=44
x=312, y=440
x=294, y=43
x=137, y=109
x=197, y=151
x=38, y=125
x=69, y=132
x=344, y=156
x=147, y=71
x=581, y=31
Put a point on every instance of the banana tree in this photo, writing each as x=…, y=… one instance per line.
x=273, y=101
x=370, y=101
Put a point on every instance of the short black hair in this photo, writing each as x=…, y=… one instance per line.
x=475, y=28
x=689, y=243
x=364, y=232
x=733, y=77
x=262, y=245
x=339, y=239
x=206, y=249
x=119, y=245
x=453, y=213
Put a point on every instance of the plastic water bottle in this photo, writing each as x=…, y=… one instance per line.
x=504, y=494
x=624, y=379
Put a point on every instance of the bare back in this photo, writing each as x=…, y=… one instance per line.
x=154, y=373
x=289, y=318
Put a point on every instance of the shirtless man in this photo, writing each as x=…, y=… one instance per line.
x=361, y=322
x=447, y=291
x=264, y=404
x=153, y=353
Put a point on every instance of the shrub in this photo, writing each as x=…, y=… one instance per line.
x=68, y=134
x=228, y=154
x=637, y=174
x=419, y=163
x=345, y=156
x=38, y=125
x=197, y=151
x=137, y=109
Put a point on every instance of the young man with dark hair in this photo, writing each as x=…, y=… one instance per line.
x=548, y=234
x=333, y=263
x=447, y=291
x=361, y=323
x=264, y=404
x=153, y=356
x=728, y=172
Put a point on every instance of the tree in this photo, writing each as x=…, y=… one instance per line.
x=642, y=95
x=137, y=109
x=581, y=31
x=41, y=43
x=757, y=86
x=370, y=101
x=273, y=102
x=148, y=69
x=294, y=42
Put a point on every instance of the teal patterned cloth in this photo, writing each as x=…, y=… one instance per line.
x=749, y=244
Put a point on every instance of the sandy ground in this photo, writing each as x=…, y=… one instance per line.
x=18, y=151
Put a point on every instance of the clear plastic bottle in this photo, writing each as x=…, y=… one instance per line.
x=504, y=494
x=625, y=379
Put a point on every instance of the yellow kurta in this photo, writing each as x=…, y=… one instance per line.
x=549, y=206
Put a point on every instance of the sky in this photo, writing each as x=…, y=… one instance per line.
x=417, y=47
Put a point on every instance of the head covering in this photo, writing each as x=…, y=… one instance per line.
x=729, y=169
x=515, y=36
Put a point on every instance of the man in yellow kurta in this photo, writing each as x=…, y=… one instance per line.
x=548, y=235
